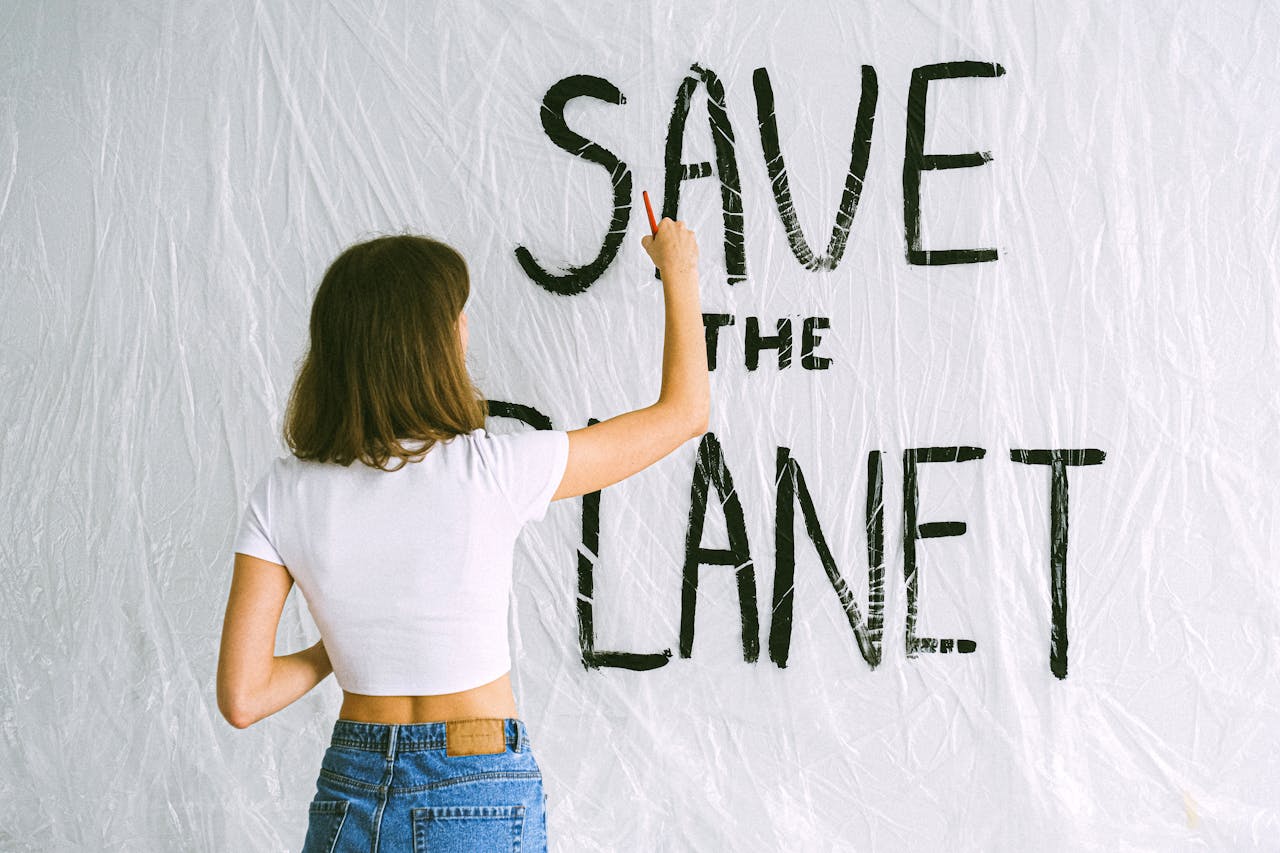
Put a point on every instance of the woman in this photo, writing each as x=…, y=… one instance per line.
x=406, y=567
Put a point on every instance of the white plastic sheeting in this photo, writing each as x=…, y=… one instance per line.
x=1094, y=666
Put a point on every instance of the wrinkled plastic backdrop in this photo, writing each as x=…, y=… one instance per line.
x=176, y=179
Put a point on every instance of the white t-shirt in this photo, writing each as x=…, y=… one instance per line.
x=408, y=573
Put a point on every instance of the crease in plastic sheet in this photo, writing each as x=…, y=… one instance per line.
x=176, y=180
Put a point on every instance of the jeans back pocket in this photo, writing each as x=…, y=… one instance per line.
x=454, y=829
x=323, y=824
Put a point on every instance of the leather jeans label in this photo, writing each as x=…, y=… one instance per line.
x=485, y=736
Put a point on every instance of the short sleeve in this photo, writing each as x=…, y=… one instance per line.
x=528, y=467
x=254, y=537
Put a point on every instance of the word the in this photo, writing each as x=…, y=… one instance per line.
x=756, y=342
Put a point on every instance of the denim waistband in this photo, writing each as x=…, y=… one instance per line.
x=390, y=739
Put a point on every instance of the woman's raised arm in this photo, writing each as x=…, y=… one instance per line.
x=614, y=449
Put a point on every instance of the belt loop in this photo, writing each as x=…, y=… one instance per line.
x=520, y=742
x=391, y=741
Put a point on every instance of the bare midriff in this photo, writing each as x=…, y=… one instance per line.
x=494, y=699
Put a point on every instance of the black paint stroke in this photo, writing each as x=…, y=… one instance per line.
x=1058, y=460
x=519, y=412
x=578, y=278
x=676, y=171
x=859, y=154
x=809, y=342
x=915, y=160
x=790, y=486
x=756, y=342
x=911, y=531
x=711, y=470
x=711, y=324
x=588, y=559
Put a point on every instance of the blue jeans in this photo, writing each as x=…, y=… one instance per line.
x=461, y=785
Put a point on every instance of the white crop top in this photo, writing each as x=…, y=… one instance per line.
x=408, y=573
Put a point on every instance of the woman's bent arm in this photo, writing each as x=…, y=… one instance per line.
x=253, y=682
x=292, y=677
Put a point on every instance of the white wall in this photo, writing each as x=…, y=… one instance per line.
x=175, y=180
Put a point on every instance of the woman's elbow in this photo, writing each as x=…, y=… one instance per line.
x=702, y=421
x=233, y=720
x=239, y=721
x=234, y=715
x=700, y=424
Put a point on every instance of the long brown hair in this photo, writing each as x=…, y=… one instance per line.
x=385, y=361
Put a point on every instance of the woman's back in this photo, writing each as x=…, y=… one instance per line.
x=408, y=572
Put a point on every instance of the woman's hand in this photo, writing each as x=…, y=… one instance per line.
x=674, y=249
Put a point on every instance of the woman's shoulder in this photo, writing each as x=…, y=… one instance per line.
x=517, y=447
